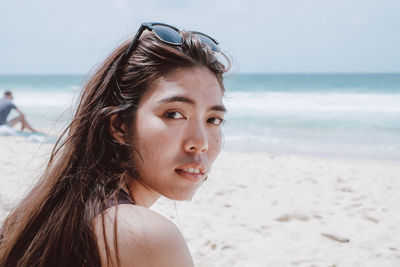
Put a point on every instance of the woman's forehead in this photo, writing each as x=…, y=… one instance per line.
x=197, y=84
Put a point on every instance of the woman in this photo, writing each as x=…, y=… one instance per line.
x=148, y=124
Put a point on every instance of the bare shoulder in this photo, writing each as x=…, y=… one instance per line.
x=144, y=238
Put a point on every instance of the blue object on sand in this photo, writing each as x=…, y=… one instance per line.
x=38, y=137
x=5, y=130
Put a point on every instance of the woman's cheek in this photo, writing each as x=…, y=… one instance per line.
x=216, y=140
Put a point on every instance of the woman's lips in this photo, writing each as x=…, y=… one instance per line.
x=194, y=171
x=190, y=175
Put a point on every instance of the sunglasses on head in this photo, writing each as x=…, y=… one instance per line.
x=170, y=35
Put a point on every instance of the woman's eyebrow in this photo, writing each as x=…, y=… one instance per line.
x=189, y=101
x=177, y=99
x=218, y=108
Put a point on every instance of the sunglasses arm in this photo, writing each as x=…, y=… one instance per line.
x=136, y=38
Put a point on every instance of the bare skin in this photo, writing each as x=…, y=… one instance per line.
x=24, y=124
x=177, y=132
x=145, y=238
x=20, y=119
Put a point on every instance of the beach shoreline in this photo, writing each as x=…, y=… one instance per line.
x=264, y=209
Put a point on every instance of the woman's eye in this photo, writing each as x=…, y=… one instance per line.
x=173, y=115
x=215, y=121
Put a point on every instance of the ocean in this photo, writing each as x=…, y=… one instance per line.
x=344, y=115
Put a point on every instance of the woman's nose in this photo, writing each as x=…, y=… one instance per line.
x=196, y=140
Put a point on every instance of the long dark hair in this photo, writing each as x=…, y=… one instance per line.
x=52, y=225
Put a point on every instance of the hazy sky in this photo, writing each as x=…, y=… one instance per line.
x=47, y=36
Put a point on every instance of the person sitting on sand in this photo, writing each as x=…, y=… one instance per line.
x=6, y=105
x=148, y=124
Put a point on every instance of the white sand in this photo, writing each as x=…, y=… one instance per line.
x=262, y=210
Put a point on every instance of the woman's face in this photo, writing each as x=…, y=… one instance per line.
x=177, y=132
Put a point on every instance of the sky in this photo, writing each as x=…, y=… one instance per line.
x=270, y=36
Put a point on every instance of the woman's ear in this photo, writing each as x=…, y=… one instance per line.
x=117, y=129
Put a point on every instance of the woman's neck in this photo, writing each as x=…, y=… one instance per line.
x=142, y=194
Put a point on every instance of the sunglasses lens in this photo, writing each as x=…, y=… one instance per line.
x=207, y=41
x=168, y=34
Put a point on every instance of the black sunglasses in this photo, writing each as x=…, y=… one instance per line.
x=170, y=35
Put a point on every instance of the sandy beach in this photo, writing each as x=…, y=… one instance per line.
x=259, y=209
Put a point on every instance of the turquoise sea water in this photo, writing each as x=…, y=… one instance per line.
x=354, y=115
